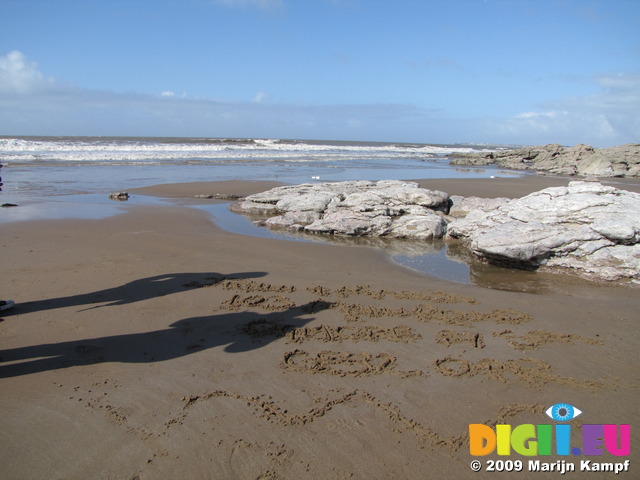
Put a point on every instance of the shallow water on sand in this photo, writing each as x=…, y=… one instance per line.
x=37, y=168
x=436, y=259
x=63, y=177
x=450, y=262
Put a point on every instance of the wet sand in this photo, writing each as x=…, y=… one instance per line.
x=516, y=186
x=154, y=345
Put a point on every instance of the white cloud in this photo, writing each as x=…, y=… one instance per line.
x=32, y=104
x=533, y=115
x=58, y=110
x=559, y=127
x=630, y=82
x=608, y=117
x=17, y=75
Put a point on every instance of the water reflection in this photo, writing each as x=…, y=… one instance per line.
x=87, y=206
x=510, y=279
x=448, y=260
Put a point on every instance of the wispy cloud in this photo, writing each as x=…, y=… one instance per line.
x=33, y=104
x=169, y=94
x=629, y=83
x=536, y=115
x=46, y=108
x=606, y=118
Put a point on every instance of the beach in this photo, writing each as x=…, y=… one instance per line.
x=153, y=344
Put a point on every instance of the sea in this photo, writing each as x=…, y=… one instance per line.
x=53, y=166
x=71, y=177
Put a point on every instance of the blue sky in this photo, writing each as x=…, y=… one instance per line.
x=449, y=71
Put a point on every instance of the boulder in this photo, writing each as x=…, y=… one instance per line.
x=587, y=227
x=384, y=208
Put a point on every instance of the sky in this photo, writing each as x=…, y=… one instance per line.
x=524, y=72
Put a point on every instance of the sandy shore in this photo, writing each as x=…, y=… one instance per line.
x=154, y=345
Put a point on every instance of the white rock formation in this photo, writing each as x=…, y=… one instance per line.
x=385, y=208
x=589, y=228
x=586, y=227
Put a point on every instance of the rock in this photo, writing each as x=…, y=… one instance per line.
x=608, y=263
x=587, y=227
x=121, y=196
x=347, y=221
x=461, y=206
x=218, y=196
x=620, y=161
x=420, y=226
x=384, y=208
x=293, y=220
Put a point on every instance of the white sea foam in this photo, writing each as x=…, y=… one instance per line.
x=105, y=151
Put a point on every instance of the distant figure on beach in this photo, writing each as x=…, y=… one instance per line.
x=4, y=304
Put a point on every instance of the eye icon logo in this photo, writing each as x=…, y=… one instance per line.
x=562, y=412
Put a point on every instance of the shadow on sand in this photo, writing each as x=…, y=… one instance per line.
x=135, y=291
x=239, y=331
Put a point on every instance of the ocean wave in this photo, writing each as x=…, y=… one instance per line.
x=152, y=151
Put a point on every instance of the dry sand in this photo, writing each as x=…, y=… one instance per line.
x=154, y=345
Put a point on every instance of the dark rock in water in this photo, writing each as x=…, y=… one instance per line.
x=7, y=205
x=218, y=196
x=120, y=196
x=620, y=161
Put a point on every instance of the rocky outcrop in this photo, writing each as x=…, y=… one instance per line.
x=620, y=161
x=461, y=206
x=586, y=227
x=386, y=208
x=591, y=229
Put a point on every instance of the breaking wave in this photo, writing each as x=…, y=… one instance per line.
x=118, y=151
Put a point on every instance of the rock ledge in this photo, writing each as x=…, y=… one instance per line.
x=585, y=227
x=620, y=161
x=386, y=208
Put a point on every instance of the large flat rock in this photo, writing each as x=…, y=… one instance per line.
x=587, y=227
x=385, y=208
